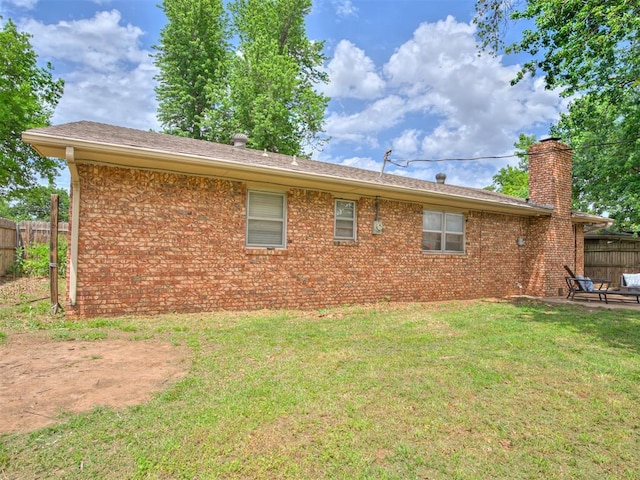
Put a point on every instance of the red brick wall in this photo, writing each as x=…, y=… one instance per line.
x=153, y=242
x=554, y=237
x=550, y=176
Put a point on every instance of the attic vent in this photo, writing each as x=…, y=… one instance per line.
x=239, y=140
x=441, y=177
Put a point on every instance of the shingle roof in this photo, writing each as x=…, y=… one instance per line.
x=99, y=133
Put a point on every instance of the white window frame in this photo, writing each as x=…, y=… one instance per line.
x=444, y=232
x=337, y=218
x=280, y=220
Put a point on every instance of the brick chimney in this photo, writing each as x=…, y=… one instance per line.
x=550, y=175
x=555, y=241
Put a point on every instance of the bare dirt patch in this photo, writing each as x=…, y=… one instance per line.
x=40, y=378
x=14, y=291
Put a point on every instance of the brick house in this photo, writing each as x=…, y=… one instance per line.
x=162, y=223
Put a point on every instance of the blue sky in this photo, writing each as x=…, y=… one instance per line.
x=404, y=75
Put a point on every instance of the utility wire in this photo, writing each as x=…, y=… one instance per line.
x=406, y=163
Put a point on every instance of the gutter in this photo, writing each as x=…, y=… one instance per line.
x=175, y=160
x=591, y=222
x=597, y=226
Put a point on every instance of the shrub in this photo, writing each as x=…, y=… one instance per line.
x=16, y=268
x=33, y=261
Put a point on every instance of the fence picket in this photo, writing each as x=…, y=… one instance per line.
x=609, y=257
x=8, y=244
x=13, y=234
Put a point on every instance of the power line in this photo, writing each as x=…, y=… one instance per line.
x=434, y=160
x=406, y=163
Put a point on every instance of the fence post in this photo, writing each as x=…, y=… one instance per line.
x=53, y=254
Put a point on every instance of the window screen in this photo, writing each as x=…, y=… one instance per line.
x=345, y=220
x=442, y=232
x=266, y=219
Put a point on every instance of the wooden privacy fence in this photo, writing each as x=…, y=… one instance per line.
x=39, y=232
x=14, y=234
x=8, y=244
x=609, y=256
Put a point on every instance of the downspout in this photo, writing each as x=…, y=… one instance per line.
x=75, y=218
x=575, y=250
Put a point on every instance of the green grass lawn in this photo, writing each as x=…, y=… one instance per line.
x=468, y=390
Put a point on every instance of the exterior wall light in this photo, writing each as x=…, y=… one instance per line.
x=520, y=241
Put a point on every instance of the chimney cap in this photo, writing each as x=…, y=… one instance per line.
x=441, y=177
x=239, y=140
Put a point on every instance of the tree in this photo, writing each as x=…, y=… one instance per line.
x=34, y=204
x=512, y=180
x=264, y=86
x=591, y=50
x=581, y=46
x=606, y=143
x=28, y=96
x=274, y=75
x=193, y=58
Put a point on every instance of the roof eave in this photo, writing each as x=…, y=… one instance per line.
x=592, y=223
x=160, y=160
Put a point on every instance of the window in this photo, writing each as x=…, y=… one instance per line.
x=442, y=232
x=266, y=219
x=344, y=225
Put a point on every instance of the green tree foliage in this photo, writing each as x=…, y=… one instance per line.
x=275, y=73
x=193, y=59
x=512, y=180
x=28, y=96
x=606, y=143
x=580, y=45
x=34, y=204
x=263, y=86
x=591, y=50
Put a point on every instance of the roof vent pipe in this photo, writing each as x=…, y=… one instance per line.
x=239, y=140
x=441, y=177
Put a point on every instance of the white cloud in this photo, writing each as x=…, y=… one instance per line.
x=434, y=51
x=377, y=116
x=478, y=110
x=108, y=75
x=366, y=163
x=99, y=43
x=344, y=8
x=121, y=98
x=352, y=74
x=28, y=4
x=407, y=143
x=441, y=99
